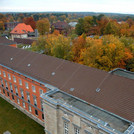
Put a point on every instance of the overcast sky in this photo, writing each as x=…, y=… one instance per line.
x=115, y=6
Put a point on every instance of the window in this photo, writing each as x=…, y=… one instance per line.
x=29, y=108
x=18, y=101
x=26, y=85
x=22, y=94
x=0, y=72
x=4, y=74
x=35, y=100
x=11, y=88
x=1, y=81
x=65, y=127
x=43, y=116
x=41, y=105
x=33, y=88
x=3, y=91
x=36, y=112
x=20, y=81
x=76, y=130
x=12, y=97
x=28, y=97
x=23, y=103
x=41, y=91
x=9, y=76
x=6, y=84
x=8, y=94
x=14, y=79
x=16, y=90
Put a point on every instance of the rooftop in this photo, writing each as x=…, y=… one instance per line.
x=22, y=28
x=108, y=91
x=5, y=41
x=124, y=73
x=110, y=120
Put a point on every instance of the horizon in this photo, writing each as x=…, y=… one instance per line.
x=96, y=6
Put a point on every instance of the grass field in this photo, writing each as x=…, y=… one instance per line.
x=16, y=122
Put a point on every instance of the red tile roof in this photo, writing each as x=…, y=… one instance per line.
x=22, y=28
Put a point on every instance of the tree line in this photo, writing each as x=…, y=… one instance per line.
x=106, y=53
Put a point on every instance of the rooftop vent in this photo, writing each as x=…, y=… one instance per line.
x=53, y=73
x=97, y=89
x=28, y=65
x=71, y=89
x=11, y=58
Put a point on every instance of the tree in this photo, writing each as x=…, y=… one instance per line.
x=112, y=27
x=88, y=22
x=30, y=21
x=2, y=28
x=79, y=29
x=43, y=26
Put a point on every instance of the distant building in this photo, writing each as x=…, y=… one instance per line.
x=24, y=41
x=66, y=97
x=5, y=41
x=21, y=31
x=62, y=27
x=73, y=24
x=10, y=25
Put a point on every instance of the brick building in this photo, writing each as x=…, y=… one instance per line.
x=66, y=97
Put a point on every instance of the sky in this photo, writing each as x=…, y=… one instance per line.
x=110, y=6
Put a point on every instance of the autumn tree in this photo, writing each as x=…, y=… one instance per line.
x=43, y=26
x=30, y=21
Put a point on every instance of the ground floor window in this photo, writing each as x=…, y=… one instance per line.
x=8, y=94
x=18, y=101
x=12, y=97
x=36, y=112
x=3, y=91
x=43, y=116
x=76, y=130
x=29, y=107
x=65, y=127
x=23, y=103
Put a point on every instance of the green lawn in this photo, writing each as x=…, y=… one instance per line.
x=16, y=122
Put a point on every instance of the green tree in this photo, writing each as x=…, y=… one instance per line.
x=79, y=29
x=43, y=26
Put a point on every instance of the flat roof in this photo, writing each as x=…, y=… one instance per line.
x=111, y=120
x=124, y=73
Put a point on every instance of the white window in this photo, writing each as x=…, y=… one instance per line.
x=6, y=84
x=14, y=79
x=65, y=127
x=26, y=85
x=35, y=101
x=20, y=81
x=16, y=89
x=28, y=96
x=33, y=88
x=18, y=101
x=22, y=94
x=4, y=74
x=23, y=103
x=11, y=87
x=9, y=76
x=41, y=91
x=76, y=130
x=30, y=109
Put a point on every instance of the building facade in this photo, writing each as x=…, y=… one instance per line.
x=65, y=97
